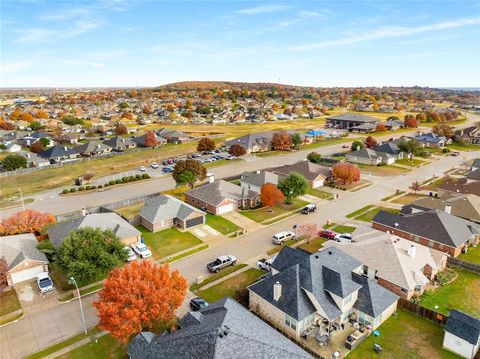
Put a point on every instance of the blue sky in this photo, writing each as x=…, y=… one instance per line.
x=314, y=43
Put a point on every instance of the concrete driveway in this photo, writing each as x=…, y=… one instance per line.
x=32, y=300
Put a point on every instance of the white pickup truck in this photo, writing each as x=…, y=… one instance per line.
x=265, y=263
x=221, y=262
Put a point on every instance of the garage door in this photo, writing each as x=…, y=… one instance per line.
x=26, y=274
x=194, y=221
x=225, y=208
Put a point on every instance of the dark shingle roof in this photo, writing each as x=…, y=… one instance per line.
x=259, y=178
x=222, y=330
x=118, y=142
x=56, y=151
x=216, y=192
x=464, y=326
x=389, y=147
x=435, y=225
x=353, y=117
x=373, y=299
x=306, y=168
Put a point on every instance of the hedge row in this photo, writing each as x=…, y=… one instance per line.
x=126, y=179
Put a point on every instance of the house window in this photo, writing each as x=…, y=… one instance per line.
x=418, y=288
x=416, y=239
x=363, y=318
x=292, y=323
x=404, y=290
x=365, y=270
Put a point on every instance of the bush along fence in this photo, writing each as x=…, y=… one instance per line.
x=422, y=311
x=123, y=180
x=471, y=267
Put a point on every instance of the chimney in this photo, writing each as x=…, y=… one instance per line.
x=412, y=250
x=448, y=209
x=277, y=291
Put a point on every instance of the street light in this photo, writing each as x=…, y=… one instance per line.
x=72, y=280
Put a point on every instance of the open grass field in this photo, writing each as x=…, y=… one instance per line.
x=405, y=336
x=262, y=215
x=462, y=294
x=221, y=224
x=9, y=302
x=472, y=256
x=167, y=242
x=231, y=285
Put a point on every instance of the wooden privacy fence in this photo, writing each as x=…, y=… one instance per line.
x=471, y=267
x=422, y=311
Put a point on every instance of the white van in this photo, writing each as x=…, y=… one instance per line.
x=281, y=237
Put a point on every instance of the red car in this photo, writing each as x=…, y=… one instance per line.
x=328, y=233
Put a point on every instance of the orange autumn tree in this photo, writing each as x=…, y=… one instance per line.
x=138, y=296
x=27, y=221
x=150, y=139
x=270, y=195
x=346, y=172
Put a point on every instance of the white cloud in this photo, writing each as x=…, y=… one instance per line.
x=386, y=32
x=263, y=9
x=16, y=66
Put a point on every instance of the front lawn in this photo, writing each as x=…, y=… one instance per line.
x=462, y=294
x=320, y=194
x=414, y=162
x=472, y=256
x=262, y=214
x=408, y=198
x=359, y=211
x=405, y=336
x=217, y=276
x=104, y=347
x=221, y=224
x=231, y=286
x=368, y=216
x=167, y=242
x=314, y=245
x=9, y=302
x=343, y=229
x=464, y=147
x=382, y=170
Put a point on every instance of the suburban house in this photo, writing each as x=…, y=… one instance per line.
x=255, y=142
x=24, y=260
x=325, y=289
x=92, y=148
x=390, y=148
x=112, y=221
x=221, y=197
x=167, y=211
x=471, y=135
x=364, y=128
x=348, y=120
x=395, y=263
x=173, y=136
x=433, y=228
x=58, y=153
x=431, y=139
x=370, y=156
x=33, y=160
x=392, y=125
x=222, y=330
x=461, y=185
x=254, y=181
x=462, y=334
x=315, y=174
x=66, y=139
x=473, y=175
x=119, y=144
x=466, y=206
x=140, y=140
x=13, y=148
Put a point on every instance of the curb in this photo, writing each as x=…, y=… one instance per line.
x=14, y=321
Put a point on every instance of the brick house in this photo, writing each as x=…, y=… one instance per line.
x=432, y=228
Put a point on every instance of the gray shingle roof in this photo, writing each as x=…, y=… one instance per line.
x=112, y=221
x=91, y=146
x=320, y=273
x=389, y=147
x=165, y=208
x=435, y=225
x=57, y=151
x=216, y=192
x=464, y=326
x=259, y=178
x=373, y=299
x=262, y=139
x=223, y=330
x=20, y=247
x=118, y=142
x=369, y=153
x=306, y=168
x=353, y=117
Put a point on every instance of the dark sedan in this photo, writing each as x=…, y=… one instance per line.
x=198, y=303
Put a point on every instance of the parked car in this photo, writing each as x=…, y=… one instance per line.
x=221, y=262
x=142, y=250
x=154, y=165
x=265, y=263
x=167, y=169
x=455, y=154
x=328, y=233
x=197, y=155
x=170, y=161
x=345, y=146
x=281, y=237
x=230, y=157
x=130, y=254
x=44, y=282
x=142, y=169
x=165, y=162
x=343, y=237
x=198, y=303
x=309, y=208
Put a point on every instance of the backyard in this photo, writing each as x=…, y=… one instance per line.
x=263, y=215
x=130, y=211
x=462, y=294
x=221, y=224
x=472, y=256
x=405, y=336
x=169, y=241
x=231, y=285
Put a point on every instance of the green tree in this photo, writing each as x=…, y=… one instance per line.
x=35, y=125
x=412, y=146
x=314, y=157
x=357, y=145
x=90, y=253
x=13, y=162
x=293, y=186
x=123, y=105
x=296, y=140
x=192, y=166
x=71, y=120
x=186, y=177
x=47, y=247
x=45, y=142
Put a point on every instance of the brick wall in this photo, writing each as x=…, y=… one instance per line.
x=395, y=288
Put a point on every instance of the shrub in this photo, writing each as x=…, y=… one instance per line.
x=111, y=183
x=100, y=186
x=131, y=178
x=81, y=188
x=125, y=179
x=88, y=187
x=139, y=176
x=73, y=190
x=93, y=187
x=145, y=176
x=118, y=181
x=381, y=164
x=65, y=191
x=106, y=185
x=446, y=150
